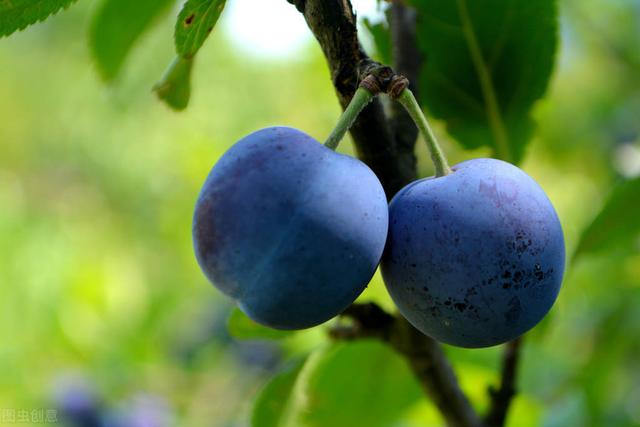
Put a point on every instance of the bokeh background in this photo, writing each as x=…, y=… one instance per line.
x=103, y=304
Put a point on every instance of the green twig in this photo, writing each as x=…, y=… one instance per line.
x=360, y=100
x=409, y=102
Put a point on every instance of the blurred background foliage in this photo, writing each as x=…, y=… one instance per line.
x=102, y=303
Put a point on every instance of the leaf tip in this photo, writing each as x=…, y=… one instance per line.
x=174, y=88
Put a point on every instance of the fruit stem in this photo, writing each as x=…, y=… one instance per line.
x=409, y=102
x=360, y=100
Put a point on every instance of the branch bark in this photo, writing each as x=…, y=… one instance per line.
x=501, y=398
x=407, y=60
x=387, y=145
x=424, y=355
x=333, y=23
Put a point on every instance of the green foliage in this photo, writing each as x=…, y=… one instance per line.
x=270, y=407
x=95, y=203
x=18, y=14
x=617, y=224
x=195, y=22
x=174, y=87
x=242, y=327
x=486, y=64
x=116, y=26
x=385, y=387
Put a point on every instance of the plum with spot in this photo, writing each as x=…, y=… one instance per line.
x=474, y=258
x=289, y=228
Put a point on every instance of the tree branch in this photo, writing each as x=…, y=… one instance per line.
x=424, y=355
x=407, y=60
x=387, y=146
x=501, y=398
x=333, y=23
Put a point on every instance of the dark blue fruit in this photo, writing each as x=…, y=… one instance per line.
x=78, y=403
x=474, y=258
x=290, y=229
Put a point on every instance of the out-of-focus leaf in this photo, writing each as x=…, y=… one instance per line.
x=196, y=20
x=381, y=38
x=354, y=384
x=175, y=85
x=487, y=62
x=242, y=327
x=116, y=26
x=194, y=24
x=18, y=14
x=618, y=223
x=269, y=408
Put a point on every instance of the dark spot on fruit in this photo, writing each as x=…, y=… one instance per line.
x=279, y=147
x=506, y=274
x=448, y=302
x=506, y=285
x=517, y=277
x=460, y=306
x=209, y=29
x=413, y=265
x=189, y=19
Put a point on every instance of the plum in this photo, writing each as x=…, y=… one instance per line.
x=289, y=228
x=474, y=258
x=78, y=402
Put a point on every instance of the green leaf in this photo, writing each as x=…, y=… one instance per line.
x=270, y=407
x=487, y=62
x=242, y=327
x=116, y=26
x=175, y=86
x=617, y=224
x=381, y=38
x=18, y=14
x=196, y=20
x=354, y=384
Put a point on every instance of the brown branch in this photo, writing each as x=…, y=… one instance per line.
x=424, y=355
x=501, y=398
x=433, y=370
x=407, y=60
x=387, y=146
x=333, y=23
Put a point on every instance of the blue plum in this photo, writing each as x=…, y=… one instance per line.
x=289, y=228
x=78, y=403
x=474, y=258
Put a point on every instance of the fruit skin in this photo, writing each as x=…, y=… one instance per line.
x=474, y=258
x=289, y=228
